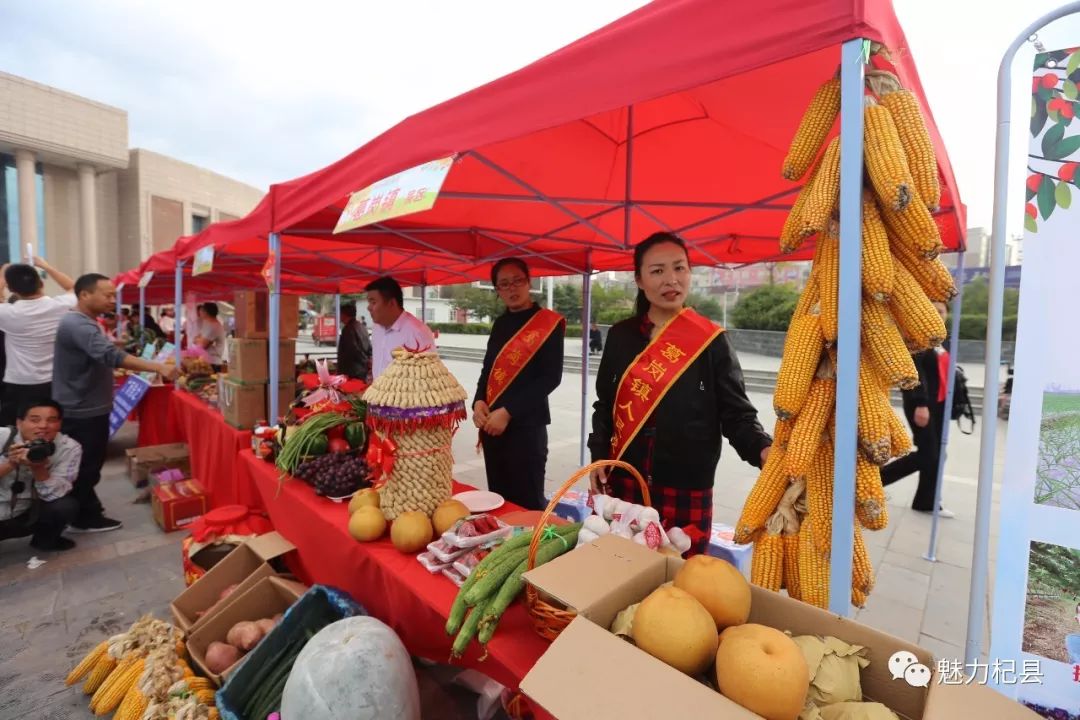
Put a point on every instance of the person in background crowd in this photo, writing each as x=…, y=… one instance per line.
x=522, y=367
x=83, y=364
x=924, y=406
x=394, y=327
x=123, y=324
x=596, y=339
x=668, y=388
x=354, y=346
x=167, y=324
x=211, y=334
x=148, y=324
x=35, y=492
x=30, y=333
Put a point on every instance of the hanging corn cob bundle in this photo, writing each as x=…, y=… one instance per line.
x=789, y=511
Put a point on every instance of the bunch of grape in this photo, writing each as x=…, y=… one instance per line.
x=334, y=474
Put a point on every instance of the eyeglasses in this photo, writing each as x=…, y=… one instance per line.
x=515, y=283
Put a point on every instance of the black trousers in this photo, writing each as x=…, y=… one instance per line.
x=515, y=462
x=52, y=518
x=12, y=396
x=93, y=434
x=924, y=460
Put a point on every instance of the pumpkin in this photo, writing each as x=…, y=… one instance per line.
x=447, y=514
x=356, y=668
x=411, y=531
x=367, y=524
x=763, y=670
x=719, y=586
x=365, y=498
x=672, y=626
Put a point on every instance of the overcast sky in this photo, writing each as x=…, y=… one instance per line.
x=270, y=91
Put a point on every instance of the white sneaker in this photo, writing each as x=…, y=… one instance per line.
x=944, y=513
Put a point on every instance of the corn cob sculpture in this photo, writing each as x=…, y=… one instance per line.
x=789, y=512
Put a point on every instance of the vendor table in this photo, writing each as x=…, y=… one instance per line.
x=158, y=421
x=214, y=448
x=392, y=586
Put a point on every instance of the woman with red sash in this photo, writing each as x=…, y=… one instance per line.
x=522, y=366
x=668, y=387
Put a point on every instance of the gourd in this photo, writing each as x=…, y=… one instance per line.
x=356, y=668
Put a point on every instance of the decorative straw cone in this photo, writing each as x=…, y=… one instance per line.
x=549, y=620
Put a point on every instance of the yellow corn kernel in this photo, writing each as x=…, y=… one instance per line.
x=791, y=565
x=819, y=496
x=873, y=428
x=871, y=509
x=827, y=265
x=795, y=230
x=810, y=427
x=877, y=263
x=885, y=348
x=858, y=598
x=899, y=440
x=802, y=353
x=133, y=706
x=886, y=165
x=813, y=569
x=808, y=298
x=102, y=669
x=767, y=562
x=915, y=227
x=764, y=496
x=823, y=191
x=112, y=691
x=87, y=663
x=914, y=314
x=931, y=275
x=862, y=572
x=915, y=139
x=816, y=123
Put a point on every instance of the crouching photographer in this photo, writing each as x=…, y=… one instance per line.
x=38, y=466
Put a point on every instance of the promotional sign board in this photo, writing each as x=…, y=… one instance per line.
x=1036, y=600
x=407, y=192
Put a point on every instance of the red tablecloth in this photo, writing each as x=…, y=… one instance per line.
x=158, y=422
x=392, y=587
x=214, y=448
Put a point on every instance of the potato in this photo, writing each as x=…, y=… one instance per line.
x=265, y=625
x=220, y=657
x=244, y=635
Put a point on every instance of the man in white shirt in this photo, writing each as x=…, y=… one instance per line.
x=29, y=327
x=211, y=335
x=394, y=327
x=35, y=484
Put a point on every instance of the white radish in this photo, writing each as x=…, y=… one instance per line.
x=585, y=537
x=679, y=539
x=623, y=532
x=595, y=524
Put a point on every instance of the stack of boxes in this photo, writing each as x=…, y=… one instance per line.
x=244, y=395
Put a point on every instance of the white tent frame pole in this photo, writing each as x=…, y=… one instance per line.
x=178, y=313
x=847, y=341
x=275, y=331
x=586, y=316
x=980, y=553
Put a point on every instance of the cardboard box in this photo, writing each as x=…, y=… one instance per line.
x=178, y=504
x=286, y=394
x=248, y=361
x=602, y=578
x=144, y=460
x=243, y=567
x=242, y=405
x=286, y=361
x=266, y=598
x=253, y=315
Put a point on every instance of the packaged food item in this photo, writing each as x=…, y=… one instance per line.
x=476, y=530
x=454, y=576
x=431, y=563
x=469, y=560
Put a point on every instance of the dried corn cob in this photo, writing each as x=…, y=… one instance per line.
x=873, y=426
x=87, y=663
x=767, y=563
x=791, y=565
x=808, y=298
x=915, y=139
x=813, y=570
x=899, y=440
x=823, y=192
x=112, y=692
x=133, y=706
x=802, y=353
x=915, y=315
x=914, y=226
x=102, y=669
x=871, y=509
x=794, y=231
x=782, y=433
x=858, y=598
x=886, y=165
x=763, y=497
x=816, y=123
x=827, y=262
x=862, y=572
x=877, y=262
x=810, y=427
x=885, y=348
x=931, y=275
x=819, y=496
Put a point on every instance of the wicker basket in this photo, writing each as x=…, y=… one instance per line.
x=547, y=619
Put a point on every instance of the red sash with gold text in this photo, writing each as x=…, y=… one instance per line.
x=519, y=350
x=653, y=372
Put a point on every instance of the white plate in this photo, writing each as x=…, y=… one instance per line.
x=479, y=501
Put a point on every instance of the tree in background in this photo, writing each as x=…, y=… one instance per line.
x=768, y=307
x=479, y=303
x=974, y=306
x=706, y=305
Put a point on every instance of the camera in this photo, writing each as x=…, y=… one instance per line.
x=38, y=450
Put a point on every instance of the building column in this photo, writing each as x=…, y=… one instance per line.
x=88, y=218
x=24, y=168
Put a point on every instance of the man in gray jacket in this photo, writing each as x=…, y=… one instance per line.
x=83, y=364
